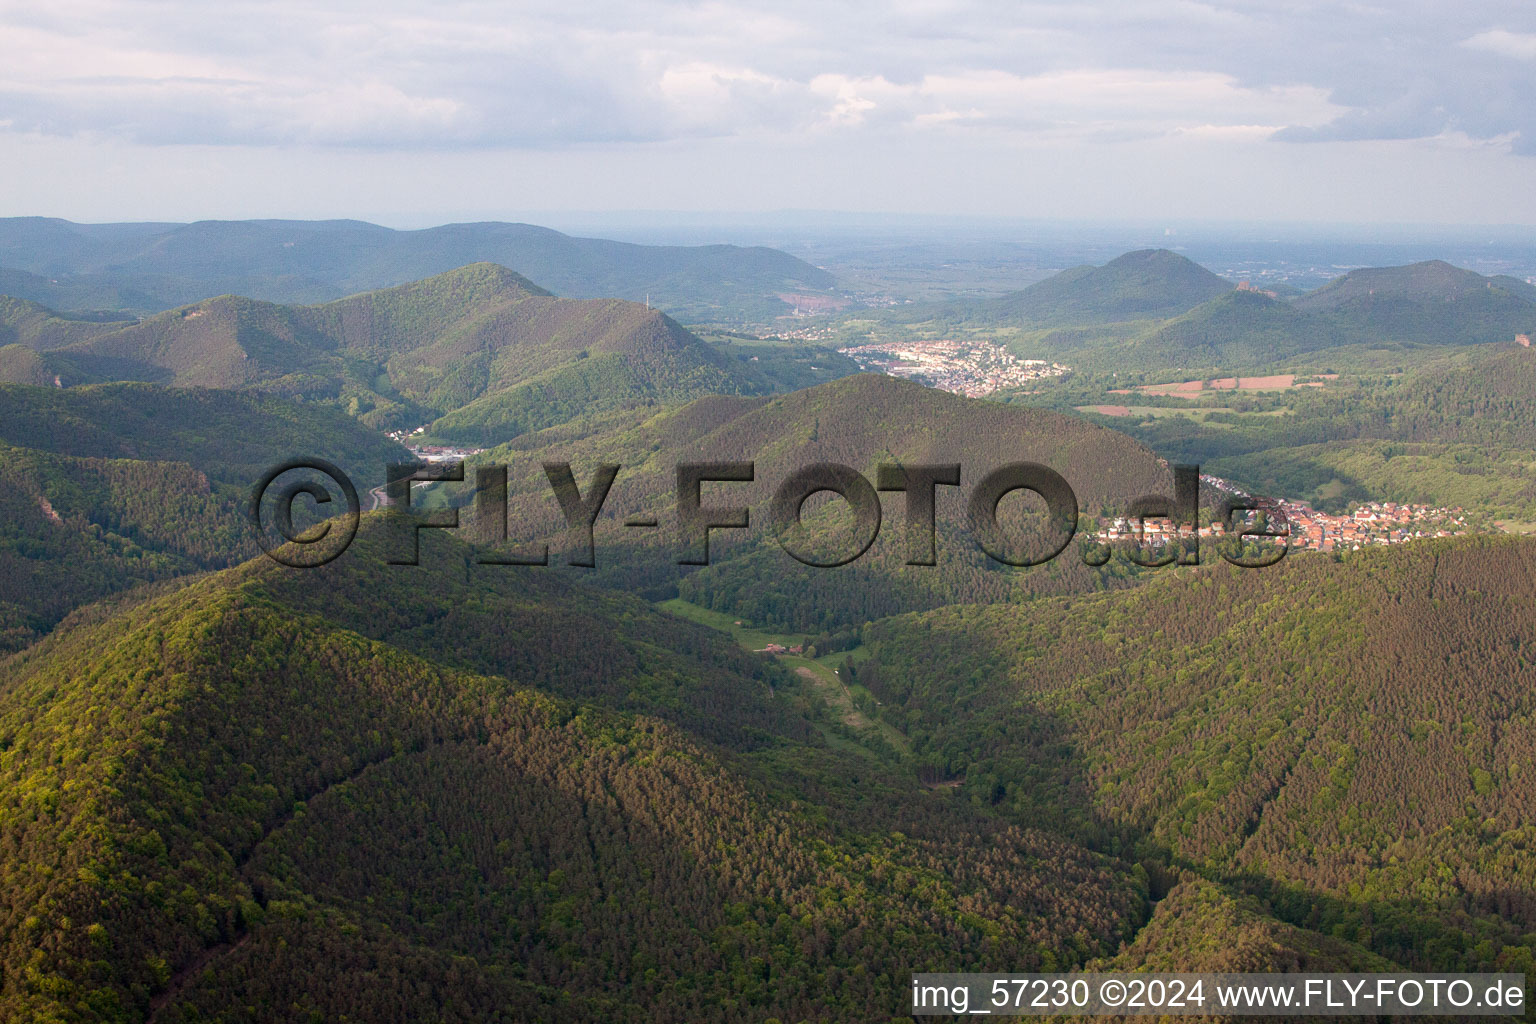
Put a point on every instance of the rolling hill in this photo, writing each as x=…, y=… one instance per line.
x=479, y=336
x=218, y=804
x=1459, y=431
x=104, y=291
x=1141, y=285
x=74, y=530
x=1154, y=311
x=38, y=327
x=461, y=791
x=859, y=421
x=149, y=267
x=231, y=437
x=1429, y=281
x=1240, y=328
x=403, y=792
x=1431, y=303
x=22, y=365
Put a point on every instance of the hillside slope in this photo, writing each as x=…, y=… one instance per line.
x=1154, y=311
x=75, y=530
x=1459, y=431
x=1297, y=731
x=1140, y=285
x=107, y=487
x=1238, y=329
x=231, y=437
x=407, y=354
x=23, y=322
x=1430, y=303
x=860, y=421
x=219, y=807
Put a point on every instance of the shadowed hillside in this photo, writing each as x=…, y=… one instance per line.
x=106, y=487
x=859, y=421
x=1348, y=738
x=270, y=811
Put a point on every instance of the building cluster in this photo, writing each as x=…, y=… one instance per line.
x=432, y=452
x=970, y=368
x=404, y=436
x=1376, y=522
x=781, y=649
x=1372, y=523
x=818, y=332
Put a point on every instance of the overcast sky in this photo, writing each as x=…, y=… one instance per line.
x=1419, y=111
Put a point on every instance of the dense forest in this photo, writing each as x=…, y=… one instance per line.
x=107, y=487
x=219, y=806
x=74, y=530
x=860, y=421
x=1348, y=738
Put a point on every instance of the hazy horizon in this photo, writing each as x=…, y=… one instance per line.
x=969, y=255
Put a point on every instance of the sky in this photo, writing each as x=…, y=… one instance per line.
x=414, y=114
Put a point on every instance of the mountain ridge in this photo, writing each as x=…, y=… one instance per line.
x=397, y=356
x=308, y=261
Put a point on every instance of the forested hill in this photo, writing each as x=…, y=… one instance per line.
x=1351, y=738
x=1140, y=285
x=107, y=487
x=1240, y=328
x=1485, y=396
x=1156, y=311
x=232, y=437
x=23, y=322
x=860, y=421
x=1429, y=281
x=406, y=355
x=216, y=800
x=150, y=267
x=1431, y=303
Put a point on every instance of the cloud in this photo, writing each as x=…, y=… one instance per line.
x=1088, y=104
x=1519, y=45
x=542, y=74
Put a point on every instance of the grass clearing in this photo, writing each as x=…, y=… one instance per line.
x=820, y=675
x=748, y=637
